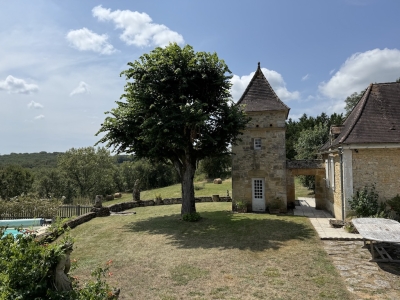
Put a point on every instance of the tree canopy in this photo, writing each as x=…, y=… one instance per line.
x=14, y=181
x=177, y=108
x=352, y=101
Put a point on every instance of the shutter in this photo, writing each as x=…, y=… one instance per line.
x=327, y=173
x=332, y=173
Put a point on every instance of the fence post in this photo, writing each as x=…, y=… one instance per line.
x=78, y=210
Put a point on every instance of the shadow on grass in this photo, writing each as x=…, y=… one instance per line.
x=225, y=230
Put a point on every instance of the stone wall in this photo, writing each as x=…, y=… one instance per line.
x=379, y=166
x=167, y=201
x=268, y=163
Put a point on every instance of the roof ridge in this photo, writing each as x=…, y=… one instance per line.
x=362, y=103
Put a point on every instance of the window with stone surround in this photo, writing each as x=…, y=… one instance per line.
x=257, y=144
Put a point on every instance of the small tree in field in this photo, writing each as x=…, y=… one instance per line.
x=178, y=108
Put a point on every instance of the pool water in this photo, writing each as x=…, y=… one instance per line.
x=18, y=223
x=14, y=232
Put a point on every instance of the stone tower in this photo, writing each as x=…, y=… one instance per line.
x=259, y=160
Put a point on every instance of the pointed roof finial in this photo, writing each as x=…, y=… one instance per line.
x=258, y=64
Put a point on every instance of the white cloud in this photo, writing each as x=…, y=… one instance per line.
x=305, y=77
x=34, y=104
x=361, y=69
x=239, y=84
x=17, y=86
x=39, y=117
x=331, y=71
x=82, y=88
x=138, y=28
x=86, y=40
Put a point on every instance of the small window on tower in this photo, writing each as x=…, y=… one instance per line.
x=257, y=144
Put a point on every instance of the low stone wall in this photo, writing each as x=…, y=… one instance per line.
x=49, y=237
x=167, y=201
x=79, y=220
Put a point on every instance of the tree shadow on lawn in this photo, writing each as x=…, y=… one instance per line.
x=226, y=230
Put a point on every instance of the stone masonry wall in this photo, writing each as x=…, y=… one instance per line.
x=379, y=166
x=167, y=201
x=268, y=163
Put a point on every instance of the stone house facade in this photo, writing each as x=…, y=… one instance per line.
x=259, y=160
x=365, y=150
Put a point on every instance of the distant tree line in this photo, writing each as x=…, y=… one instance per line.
x=82, y=172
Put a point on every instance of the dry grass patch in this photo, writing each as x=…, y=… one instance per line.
x=224, y=256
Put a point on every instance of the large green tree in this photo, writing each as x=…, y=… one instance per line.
x=177, y=108
x=90, y=170
x=14, y=181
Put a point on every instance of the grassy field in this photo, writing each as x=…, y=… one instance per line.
x=174, y=191
x=203, y=189
x=301, y=191
x=224, y=256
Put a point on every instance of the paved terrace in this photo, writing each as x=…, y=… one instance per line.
x=363, y=279
x=320, y=220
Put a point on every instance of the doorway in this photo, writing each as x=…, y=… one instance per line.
x=258, y=194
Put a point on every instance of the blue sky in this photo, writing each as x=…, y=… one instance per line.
x=60, y=60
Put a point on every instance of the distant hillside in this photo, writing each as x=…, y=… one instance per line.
x=31, y=160
x=42, y=159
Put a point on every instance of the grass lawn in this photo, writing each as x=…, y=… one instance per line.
x=301, y=191
x=206, y=189
x=174, y=191
x=224, y=256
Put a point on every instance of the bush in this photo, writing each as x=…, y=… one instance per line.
x=29, y=205
x=192, y=217
x=26, y=271
x=198, y=187
x=365, y=202
x=394, y=204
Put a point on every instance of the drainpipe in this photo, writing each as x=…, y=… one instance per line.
x=341, y=179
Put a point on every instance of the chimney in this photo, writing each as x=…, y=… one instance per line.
x=334, y=132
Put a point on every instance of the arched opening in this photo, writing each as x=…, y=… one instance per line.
x=306, y=167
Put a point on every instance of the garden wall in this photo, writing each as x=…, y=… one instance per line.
x=167, y=201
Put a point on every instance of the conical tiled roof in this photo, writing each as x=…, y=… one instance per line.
x=375, y=118
x=259, y=95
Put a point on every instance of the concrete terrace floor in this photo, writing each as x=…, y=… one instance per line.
x=320, y=220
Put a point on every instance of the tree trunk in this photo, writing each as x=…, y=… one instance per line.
x=187, y=175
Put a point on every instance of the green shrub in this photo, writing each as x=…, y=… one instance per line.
x=365, y=202
x=191, y=217
x=198, y=187
x=394, y=205
x=26, y=268
x=34, y=207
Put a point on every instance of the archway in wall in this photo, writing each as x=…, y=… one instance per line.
x=304, y=194
x=306, y=167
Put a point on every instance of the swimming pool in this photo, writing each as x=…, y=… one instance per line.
x=12, y=225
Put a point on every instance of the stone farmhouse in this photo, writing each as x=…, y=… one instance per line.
x=365, y=150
